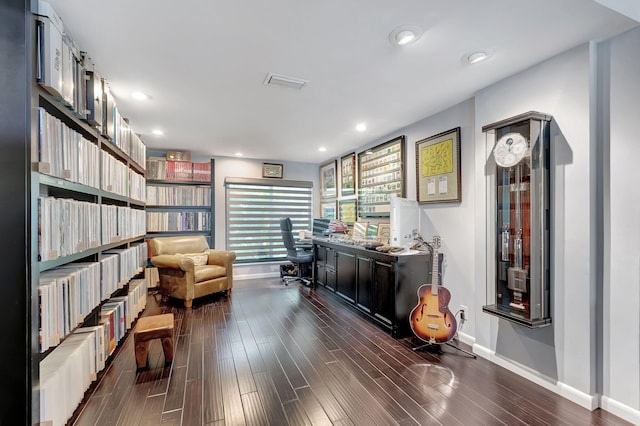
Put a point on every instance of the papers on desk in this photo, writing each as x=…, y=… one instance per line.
x=408, y=252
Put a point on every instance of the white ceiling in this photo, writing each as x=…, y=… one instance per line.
x=204, y=62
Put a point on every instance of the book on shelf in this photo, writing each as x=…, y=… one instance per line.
x=159, y=168
x=100, y=349
x=70, y=368
x=161, y=195
x=178, y=221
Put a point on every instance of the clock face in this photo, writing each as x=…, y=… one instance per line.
x=510, y=149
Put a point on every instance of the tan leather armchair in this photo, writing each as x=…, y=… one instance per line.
x=181, y=277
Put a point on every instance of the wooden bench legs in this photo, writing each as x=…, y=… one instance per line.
x=149, y=328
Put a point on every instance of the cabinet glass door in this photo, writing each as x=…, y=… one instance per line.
x=520, y=156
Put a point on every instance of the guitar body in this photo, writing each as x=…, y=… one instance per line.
x=431, y=320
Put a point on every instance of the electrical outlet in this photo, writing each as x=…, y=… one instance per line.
x=463, y=312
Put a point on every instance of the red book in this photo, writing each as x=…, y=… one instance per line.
x=171, y=170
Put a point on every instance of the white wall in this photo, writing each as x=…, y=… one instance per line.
x=560, y=356
x=621, y=392
x=563, y=356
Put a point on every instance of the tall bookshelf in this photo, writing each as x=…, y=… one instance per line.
x=180, y=198
x=26, y=179
x=19, y=340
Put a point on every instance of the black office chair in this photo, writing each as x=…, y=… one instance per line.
x=296, y=253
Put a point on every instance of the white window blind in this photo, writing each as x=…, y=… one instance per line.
x=254, y=208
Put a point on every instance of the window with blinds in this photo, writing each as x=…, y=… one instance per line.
x=254, y=208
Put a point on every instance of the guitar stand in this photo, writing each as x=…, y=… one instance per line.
x=438, y=345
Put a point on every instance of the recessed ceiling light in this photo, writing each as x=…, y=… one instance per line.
x=239, y=154
x=361, y=127
x=157, y=132
x=322, y=149
x=139, y=96
x=478, y=56
x=404, y=35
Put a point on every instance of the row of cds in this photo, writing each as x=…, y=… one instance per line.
x=65, y=153
x=130, y=261
x=161, y=169
x=69, y=293
x=119, y=179
x=68, y=73
x=121, y=223
x=70, y=369
x=67, y=226
x=137, y=186
x=178, y=221
x=128, y=141
x=178, y=195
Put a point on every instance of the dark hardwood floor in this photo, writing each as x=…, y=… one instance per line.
x=278, y=355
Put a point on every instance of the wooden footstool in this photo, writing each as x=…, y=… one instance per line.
x=153, y=327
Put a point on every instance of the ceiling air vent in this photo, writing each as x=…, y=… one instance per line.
x=283, y=80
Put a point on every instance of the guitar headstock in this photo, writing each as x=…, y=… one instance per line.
x=436, y=242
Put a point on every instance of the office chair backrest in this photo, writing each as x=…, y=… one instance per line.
x=287, y=236
x=285, y=224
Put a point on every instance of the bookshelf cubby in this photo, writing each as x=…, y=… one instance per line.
x=180, y=198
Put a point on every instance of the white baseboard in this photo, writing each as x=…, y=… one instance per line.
x=254, y=276
x=590, y=402
x=620, y=410
x=467, y=339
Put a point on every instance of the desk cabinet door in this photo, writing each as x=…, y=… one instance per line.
x=346, y=271
x=330, y=267
x=364, y=296
x=320, y=262
x=384, y=296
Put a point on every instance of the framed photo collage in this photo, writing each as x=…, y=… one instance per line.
x=357, y=187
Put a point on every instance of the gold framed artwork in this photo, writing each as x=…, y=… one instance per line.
x=384, y=231
x=348, y=175
x=347, y=210
x=328, y=180
x=438, y=168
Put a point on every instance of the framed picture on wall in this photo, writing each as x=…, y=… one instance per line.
x=347, y=175
x=347, y=210
x=328, y=180
x=438, y=168
x=328, y=210
x=360, y=229
x=384, y=231
x=271, y=170
x=380, y=176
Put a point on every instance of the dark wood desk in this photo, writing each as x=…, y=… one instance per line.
x=383, y=286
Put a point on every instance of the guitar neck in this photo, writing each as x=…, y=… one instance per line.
x=434, y=273
x=435, y=269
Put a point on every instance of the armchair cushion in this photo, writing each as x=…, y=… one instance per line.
x=209, y=272
x=199, y=259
